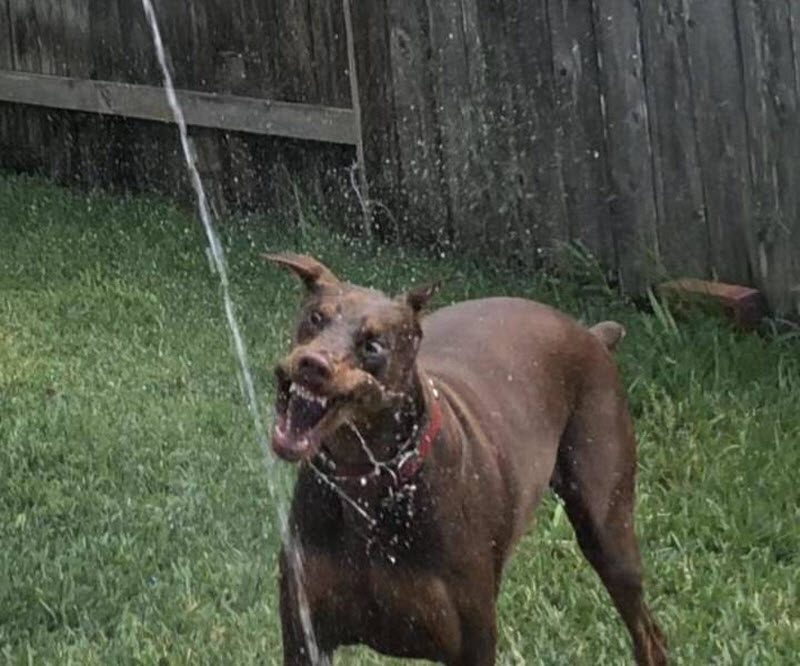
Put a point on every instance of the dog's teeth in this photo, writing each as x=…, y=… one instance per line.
x=306, y=394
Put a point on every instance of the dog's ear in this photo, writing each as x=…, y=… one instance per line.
x=419, y=297
x=309, y=270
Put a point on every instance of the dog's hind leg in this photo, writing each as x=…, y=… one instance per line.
x=595, y=477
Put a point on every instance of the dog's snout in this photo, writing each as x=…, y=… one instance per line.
x=314, y=367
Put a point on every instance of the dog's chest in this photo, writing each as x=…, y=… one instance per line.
x=391, y=608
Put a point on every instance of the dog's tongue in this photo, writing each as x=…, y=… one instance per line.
x=303, y=415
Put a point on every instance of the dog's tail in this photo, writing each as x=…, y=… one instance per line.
x=610, y=333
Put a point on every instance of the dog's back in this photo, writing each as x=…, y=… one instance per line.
x=517, y=369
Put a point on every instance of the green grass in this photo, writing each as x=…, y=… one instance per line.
x=135, y=519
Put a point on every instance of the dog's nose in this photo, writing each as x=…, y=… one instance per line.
x=314, y=368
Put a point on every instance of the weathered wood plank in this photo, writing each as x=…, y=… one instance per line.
x=373, y=51
x=522, y=105
x=198, y=51
x=39, y=35
x=6, y=43
x=360, y=180
x=105, y=39
x=75, y=143
x=134, y=57
x=423, y=207
x=77, y=53
x=34, y=38
x=23, y=26
x=580, y=127
x=627, y=131
x=22, y=23
x=95, y=136
x=259, y=55
x=295, y=48
x=773, y=124
x=682, y=225
x=201, y=109
x=792, y=299
x=331, y=61
x=526, y=198
x=721, y=132
x=456, y=115
x=518, y=219
x=56, y=39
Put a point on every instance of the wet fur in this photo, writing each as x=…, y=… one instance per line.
x=530, y=399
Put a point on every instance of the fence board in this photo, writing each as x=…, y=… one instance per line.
x=105, y=39
x=680, y=200
x=423, y=203
x=790, y=303
x=330, y=43
x=504, y=165
x=43, y=36
x=374, y=51
x=6, y=44
x=77, y=53
x=771, y=103
x=722, y=137
x=307, y=69
x=521, y=75
x=458, y=103
x=580, y=128
x=22, y=26
x=628, y=145
x=35, y=38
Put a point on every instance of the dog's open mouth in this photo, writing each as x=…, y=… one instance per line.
x=300, y=421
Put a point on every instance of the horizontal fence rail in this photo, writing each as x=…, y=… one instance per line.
x=202, y=109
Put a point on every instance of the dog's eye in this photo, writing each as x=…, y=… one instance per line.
x=316, y=318
x=373, y=356
x=373, y=348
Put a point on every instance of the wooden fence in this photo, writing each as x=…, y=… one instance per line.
x=264, y=85
x=663, y=134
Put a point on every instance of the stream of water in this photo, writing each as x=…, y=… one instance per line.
x=279, y=492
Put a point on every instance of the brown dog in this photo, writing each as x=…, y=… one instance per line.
x=425, y=446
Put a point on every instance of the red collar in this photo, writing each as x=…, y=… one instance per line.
x=405, y=465
x=411, y=463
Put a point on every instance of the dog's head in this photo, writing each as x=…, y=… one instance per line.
x=352, y=357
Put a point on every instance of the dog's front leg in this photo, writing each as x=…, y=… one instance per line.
x=296, y=650
x=479, y=640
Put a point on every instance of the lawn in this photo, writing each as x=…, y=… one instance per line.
x=136, y=524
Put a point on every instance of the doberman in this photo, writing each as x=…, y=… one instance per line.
x=424, y=445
